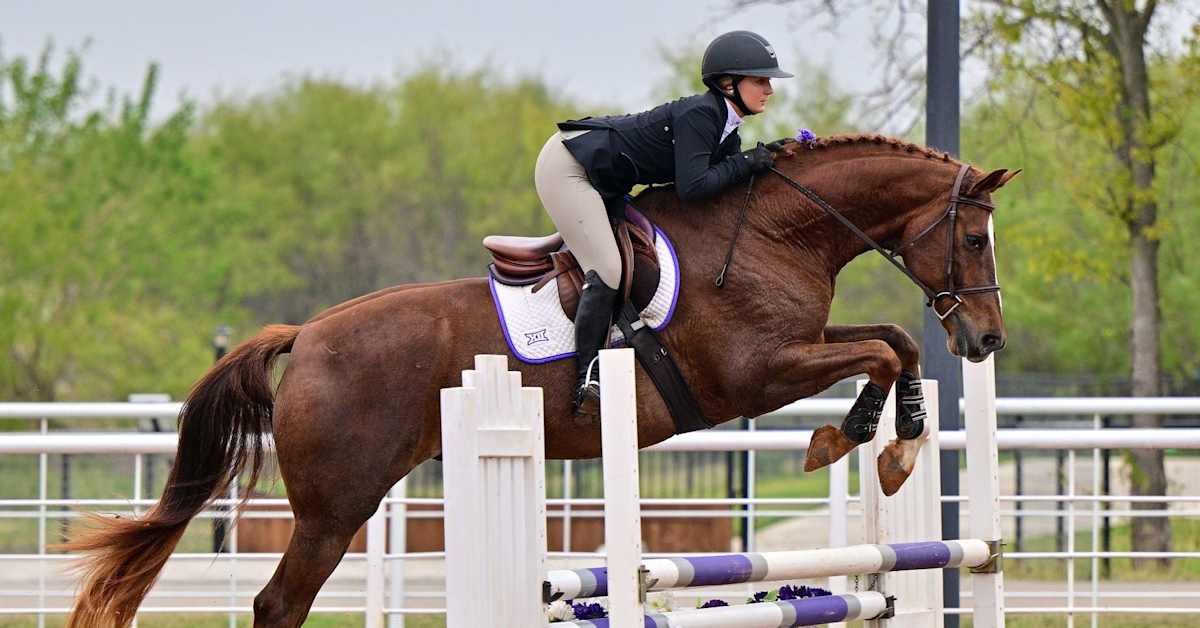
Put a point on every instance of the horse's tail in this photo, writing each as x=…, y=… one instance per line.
x=221, y=431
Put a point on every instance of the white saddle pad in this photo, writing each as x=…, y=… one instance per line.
x=537, y=329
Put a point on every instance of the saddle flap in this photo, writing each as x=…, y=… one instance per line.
x=521, y=261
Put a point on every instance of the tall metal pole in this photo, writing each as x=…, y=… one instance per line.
x=941, y=132
x=220, y=348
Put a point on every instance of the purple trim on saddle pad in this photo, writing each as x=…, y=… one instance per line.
x=926, y=555
x=504, y=327
x=658, y=233
x=678, y=278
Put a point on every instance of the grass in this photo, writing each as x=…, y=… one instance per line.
x=1185, y=537
x=1106, y=621
x=165, y=620
x=343, y=620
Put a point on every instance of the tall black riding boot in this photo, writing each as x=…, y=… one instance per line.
x=592, y=322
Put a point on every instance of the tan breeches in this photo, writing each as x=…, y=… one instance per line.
x=577, y=209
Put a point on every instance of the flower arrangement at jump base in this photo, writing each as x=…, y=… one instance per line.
x=567, y=610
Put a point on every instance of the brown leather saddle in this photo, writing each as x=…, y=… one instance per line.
x=521, y=261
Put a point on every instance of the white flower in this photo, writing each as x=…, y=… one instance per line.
x=559, y=611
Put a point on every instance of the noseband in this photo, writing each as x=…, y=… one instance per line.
x=931, y=297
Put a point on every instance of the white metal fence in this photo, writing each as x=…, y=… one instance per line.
x=382, y=566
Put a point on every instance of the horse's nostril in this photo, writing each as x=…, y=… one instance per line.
x=993, y=342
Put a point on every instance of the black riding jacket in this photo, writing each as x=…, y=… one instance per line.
x=678, y=142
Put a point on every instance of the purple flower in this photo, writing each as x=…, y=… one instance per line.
x=789, y=592
x=588, y=611
x=760, y=596
x=714, y=604
x=804, y=136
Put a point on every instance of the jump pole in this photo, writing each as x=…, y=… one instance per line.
x=493, y=572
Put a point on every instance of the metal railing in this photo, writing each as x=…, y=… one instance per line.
x=385, y=594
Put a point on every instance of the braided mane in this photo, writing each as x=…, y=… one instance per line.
x=834, y=141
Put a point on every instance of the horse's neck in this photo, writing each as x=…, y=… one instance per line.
x=879, y=195
x=784, y=234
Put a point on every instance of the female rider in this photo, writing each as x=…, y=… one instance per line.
x=585, y=170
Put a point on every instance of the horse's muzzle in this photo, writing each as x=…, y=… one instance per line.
x=984, y=345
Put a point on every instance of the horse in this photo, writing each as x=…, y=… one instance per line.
x=357, y=407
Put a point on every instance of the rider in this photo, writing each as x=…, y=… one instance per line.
x=585, y=170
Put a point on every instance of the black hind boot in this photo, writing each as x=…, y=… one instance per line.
x=593, y=319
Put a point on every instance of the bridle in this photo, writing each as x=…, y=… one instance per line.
x=931, y=297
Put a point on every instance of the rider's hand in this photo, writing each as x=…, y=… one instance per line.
x=759, y=157
x=778, y=145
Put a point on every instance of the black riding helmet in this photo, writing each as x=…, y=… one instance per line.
x=739, y=54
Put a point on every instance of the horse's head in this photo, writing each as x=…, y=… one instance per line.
x=948, y=245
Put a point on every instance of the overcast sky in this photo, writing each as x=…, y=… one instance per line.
x=596, y=52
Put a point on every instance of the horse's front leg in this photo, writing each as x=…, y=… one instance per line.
x=896, y=461
x=802, y=370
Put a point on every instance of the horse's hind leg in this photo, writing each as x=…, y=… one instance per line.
x=316, y=548
x=336, y=472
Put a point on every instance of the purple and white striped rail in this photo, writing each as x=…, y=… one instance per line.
x=803, y=612
x=701, y=571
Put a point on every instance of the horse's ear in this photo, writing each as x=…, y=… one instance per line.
x=993, y=181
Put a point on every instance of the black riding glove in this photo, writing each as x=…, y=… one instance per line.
x=778, y=145
x=759, y=158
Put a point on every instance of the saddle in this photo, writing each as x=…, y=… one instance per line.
x=521, y=261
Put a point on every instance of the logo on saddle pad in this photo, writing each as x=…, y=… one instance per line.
x=537, y=329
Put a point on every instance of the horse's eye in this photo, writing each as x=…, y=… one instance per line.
x=976, y=242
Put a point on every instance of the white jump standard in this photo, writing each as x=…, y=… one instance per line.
x=496, y=526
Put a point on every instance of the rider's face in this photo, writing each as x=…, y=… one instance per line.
x=755, y=90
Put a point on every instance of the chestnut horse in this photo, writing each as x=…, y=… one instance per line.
x=357, y=406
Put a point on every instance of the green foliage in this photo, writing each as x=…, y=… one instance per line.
x=110, y=272
x=1063, y=236
x=366, y=188
x=126, y=238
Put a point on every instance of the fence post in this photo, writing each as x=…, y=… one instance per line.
x=839, y=520
x=495, y=487
x=912, y=514
x=376, y=546
x=622, y=503
x=397, y=544
x=983, y=487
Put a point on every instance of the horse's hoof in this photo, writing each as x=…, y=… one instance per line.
x=896, y=463
x=827, y=446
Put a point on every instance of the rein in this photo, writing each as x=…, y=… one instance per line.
x=931, y=296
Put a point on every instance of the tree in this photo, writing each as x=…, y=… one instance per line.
x=366, y=187
x=1097, y=57
x=1110, y=63
x=111, y=274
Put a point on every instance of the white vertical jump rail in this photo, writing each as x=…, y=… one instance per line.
x=495, y=489
x=496, y=539
x=622, y=508
x=913, y=514
x=983, y=488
